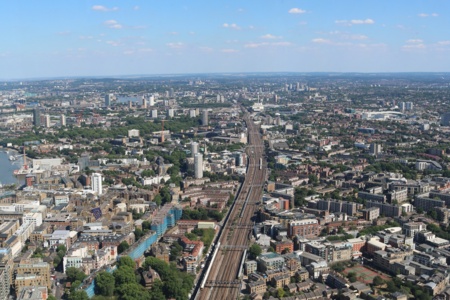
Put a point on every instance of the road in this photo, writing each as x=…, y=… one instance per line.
x=223, y=281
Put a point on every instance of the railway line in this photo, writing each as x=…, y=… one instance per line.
x=222, y=278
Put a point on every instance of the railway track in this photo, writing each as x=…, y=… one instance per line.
x=222, y=280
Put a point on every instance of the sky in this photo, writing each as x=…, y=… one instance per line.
x=111, y=38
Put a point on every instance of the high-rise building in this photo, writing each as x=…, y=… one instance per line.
x=409, y=106
x=205, y=117
x=152, y=100
x=63, y=120
x=445, y=119
x=171, y=93
x=198, y=165
x=47, y=120
x=171, y=112
x=192, y=113
x=108, y=99
x=37, y=117
x=96, y=183
x=144, y=103
x=194, y=148
x=374, y=149
x=154, y=114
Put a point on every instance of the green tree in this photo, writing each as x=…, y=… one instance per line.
x=132, y=291
x=122, y=247
x=254, y=251
x=280, y=293
x=377, y=281
x=78, y=295
x=51, y=297
x=74, y=274
x=124, y=275
x=104, y=284
x=126, y=261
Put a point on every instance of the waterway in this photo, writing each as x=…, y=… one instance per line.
x=8, y=167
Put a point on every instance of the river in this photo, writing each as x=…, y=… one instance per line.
x=7, y=167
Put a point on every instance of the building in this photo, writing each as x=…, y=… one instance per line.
x=33, y=293
x=37, y=117
x=198, y=165
x=96, y=183
x=269, y=261
x=445, y=119
x=63, y=120
x=386, y=210
x=154, y=114
x=108, y=99
x=144, y=103
x=374, y=149
x=194, y=148
x=192, y=113
x=257, y=287
x=32, y=272
x=205, y=117
x=47, y=121
x=306, y=228
x=171, y=112
x=250, y=267
x=370, y=214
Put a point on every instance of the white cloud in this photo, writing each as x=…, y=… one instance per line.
x=113, y=24
x=173, y=33
x=86, y=37
x=104, y=8
x=229, y=50
x=444, y=43
x=255, y=45
x=355, y=22
x=206, y=49
x=145, y=50
x=425, y=15
x=128, y=52
x=414, y=41
x=178, y=45
x=136, y=7
x=321, y=41
x=414, y=46
x=296, y=10
x=270, y=37
x=63, y=33
x=114, y=43
x=264, y=44
x=232, y=26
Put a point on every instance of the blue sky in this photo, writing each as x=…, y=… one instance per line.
x=90, y=38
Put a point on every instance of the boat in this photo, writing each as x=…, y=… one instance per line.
x=12, y=158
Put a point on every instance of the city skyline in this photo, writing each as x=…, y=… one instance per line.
x=113, y=38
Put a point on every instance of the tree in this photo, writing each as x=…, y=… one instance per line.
x=254, y=251
x=133, y=291
x=351, y=277
x=51, y=297
x=104, y=284
x=124, y=275
x=391, y=287
x=78, y=295
x=74, y=274
x=126, y=261
x=280, y=293
x=122, y=247
x=377, y=281
x=270, y=249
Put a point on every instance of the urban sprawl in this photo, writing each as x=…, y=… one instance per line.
x=239, y=186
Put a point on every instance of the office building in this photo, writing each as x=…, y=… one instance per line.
x=154, y=114
x=194, y=148
x=152, y=100
x=37, y=117
x=96, y=183
x=192, y=113
x=198, y=165
x=144, y=103
x=63, y=120
x=108, y=99
x=205, y=117
x=171, y=112
x=374, y=149
x=47, y=121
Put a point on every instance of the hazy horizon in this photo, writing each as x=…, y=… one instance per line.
x=73, y=38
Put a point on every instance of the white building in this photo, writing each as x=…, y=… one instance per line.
x=47, y=121
x=96, y=183
x=154, y=113
x=194, y=148
x=63, y=120
x=198, y=165
x=192, y=113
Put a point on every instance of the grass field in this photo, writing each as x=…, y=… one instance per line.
x=364, y=274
